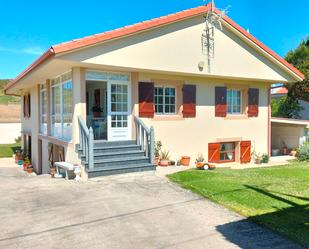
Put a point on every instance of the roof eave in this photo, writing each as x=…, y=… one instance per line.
x=44, y=57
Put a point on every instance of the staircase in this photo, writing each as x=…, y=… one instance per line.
x=102, y=158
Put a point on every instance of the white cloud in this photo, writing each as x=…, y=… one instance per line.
x=29, y=50
x=33, y=50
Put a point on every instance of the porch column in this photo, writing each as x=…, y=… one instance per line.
x=79, y=100
x=48, y=111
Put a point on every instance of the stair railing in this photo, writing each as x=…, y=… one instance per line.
x=86, y=141
x=145, y=138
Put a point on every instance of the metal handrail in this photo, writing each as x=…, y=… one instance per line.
x=145, y=138
x=86, y=141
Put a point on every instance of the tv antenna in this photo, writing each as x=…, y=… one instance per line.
x=213, y=19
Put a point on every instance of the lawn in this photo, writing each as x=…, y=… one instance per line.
x=276, y=197
x=7, y=150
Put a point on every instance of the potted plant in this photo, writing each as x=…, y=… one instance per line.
x=265, y=158
x=26, y=163
x=96, y=110
x=164, y=158
x=30, y=169
x=284, y=148
x=257, y=157
x=52, y=172
x=199, y=161
x=157, y=151
x=185, y=160
x=18, y=155
x=172, y=162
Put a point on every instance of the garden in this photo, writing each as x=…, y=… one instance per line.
x=275, y=197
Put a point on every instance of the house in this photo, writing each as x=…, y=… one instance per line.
x=102, y=101
x=288, y=132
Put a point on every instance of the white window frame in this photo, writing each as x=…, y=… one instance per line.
x=165, y=86
x=232, y=112
x=43, y=90
x=62, y=114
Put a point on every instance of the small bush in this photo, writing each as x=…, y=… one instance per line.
x=302, y=153
x=265, y=158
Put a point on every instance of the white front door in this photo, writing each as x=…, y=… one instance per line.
x=119, y=115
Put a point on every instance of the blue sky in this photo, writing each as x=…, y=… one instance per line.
x=30, y=27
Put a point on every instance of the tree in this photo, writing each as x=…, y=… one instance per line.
x=289, y=107
x=299, y=57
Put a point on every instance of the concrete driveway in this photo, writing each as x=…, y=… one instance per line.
x=130, y=211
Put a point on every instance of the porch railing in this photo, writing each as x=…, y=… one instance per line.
x=145, y=138
x=86, y=142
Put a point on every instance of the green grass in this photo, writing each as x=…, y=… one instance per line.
x=276, y=197
x=7, y=150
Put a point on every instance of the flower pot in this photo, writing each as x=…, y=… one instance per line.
x=96, y=114
x=200, y=165
x=258, y=161
x=30, y=170
x=156, y=161
x=293, y=153
x=164, y=162
x=52, y=172
x=185, y=160
x=25, y=165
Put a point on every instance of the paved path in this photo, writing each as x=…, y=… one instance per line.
x=129, y=211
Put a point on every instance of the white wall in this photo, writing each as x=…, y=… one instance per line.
x=8, y=132
x=291, y=135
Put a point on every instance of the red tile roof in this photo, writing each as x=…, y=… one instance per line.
x=129, y=30
x=279, y=90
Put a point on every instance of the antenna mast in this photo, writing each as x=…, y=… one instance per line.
x=212, y=20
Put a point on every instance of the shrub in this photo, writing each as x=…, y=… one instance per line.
x=302, y=153
x=265, y=158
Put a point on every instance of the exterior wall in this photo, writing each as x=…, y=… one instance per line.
x=30, y=125
x=291, y=135
x=189, y=136
x=12, y=131
x=176, y=48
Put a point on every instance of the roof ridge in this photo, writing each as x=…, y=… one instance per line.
x=142, y=26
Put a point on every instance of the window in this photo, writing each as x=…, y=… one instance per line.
x=234, y=101
x=227, y=152
x=43, y=109
x=62, y=106
x=165, y=100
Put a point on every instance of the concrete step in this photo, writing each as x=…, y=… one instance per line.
x=112, y=170
x=116, y=154
x=114, y=148
x=124, y=160
x=98, y=143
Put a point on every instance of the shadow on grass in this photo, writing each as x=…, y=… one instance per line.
x=291, y=222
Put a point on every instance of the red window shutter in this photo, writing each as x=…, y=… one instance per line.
x=146, y=99
x=220, y=101
x=213, y=152
x=29, y=105
x=245, y=151
x=189, y=101
x=24, y=106
x=253, y=102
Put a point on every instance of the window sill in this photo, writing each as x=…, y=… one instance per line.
x=236, y=116
x=167, y=117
